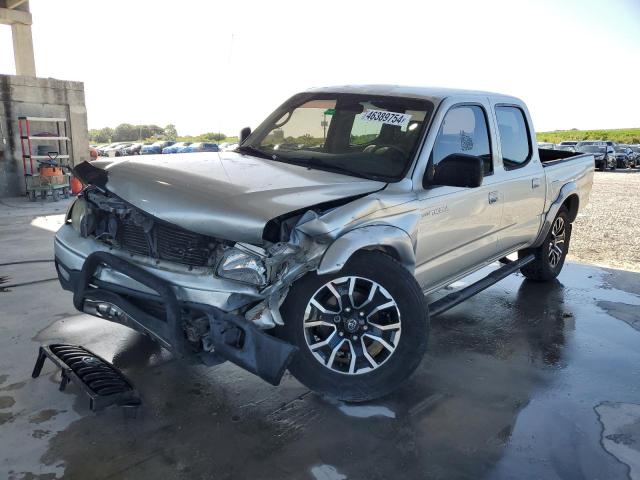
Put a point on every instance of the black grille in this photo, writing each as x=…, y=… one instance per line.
x=133, y=239
x=172, y=244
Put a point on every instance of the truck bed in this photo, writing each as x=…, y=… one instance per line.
x=562, y=167
x=549, y=156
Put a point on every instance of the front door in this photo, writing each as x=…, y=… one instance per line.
x=459, y=226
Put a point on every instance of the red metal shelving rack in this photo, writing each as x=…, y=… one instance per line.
x=62, y=155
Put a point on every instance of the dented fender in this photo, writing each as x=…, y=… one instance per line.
x=377, y=236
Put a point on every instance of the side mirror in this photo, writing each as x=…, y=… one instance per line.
x=459, y=170
x=244, y=133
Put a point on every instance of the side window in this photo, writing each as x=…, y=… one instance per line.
x=464, y=130
x=514, y=137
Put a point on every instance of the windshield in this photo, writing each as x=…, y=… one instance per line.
x=591, y=149
x=362, y=135
x=620, y=149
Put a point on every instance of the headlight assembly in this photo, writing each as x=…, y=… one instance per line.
x=243, y=267
x=81, y=218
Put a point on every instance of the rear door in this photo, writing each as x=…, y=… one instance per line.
x=521, y=177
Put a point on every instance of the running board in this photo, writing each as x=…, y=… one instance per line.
x=449, y=301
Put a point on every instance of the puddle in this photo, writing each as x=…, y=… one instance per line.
x=43, y=416
x=621, y=433
x=326, y=472
x=6, y=402
x=630, y=314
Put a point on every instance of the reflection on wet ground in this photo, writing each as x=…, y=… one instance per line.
x=525, y=380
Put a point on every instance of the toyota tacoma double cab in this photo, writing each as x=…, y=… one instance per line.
x=312, y=246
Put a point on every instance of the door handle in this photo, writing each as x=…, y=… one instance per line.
x=535, y=182
x=493, y=197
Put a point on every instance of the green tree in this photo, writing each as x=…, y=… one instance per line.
x=148, y=131
x=212, y=137
x=101, y=135
x=125, y=132
x=170, y=132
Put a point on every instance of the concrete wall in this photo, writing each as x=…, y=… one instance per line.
x=38, y=97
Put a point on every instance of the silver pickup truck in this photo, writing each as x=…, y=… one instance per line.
x=312, y=246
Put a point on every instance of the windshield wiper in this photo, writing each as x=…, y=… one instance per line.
x=254, y=151
x=311, y=162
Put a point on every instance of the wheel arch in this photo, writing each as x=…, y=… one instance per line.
x=393, y=241
x=572, y=204
x=567, y=196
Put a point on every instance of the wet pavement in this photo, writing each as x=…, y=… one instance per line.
x=524, y=380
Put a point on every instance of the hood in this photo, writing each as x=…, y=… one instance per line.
x=225, y=195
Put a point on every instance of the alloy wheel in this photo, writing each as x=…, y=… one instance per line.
x=556, y=243
x=352, y=325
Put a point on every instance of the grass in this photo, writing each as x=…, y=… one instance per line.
x=621, y=135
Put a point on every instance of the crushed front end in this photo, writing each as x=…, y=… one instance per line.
x=203, y=298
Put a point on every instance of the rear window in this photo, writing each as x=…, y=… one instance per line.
x=514, y=137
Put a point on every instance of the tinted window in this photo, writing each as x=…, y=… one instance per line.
x=514, y=137
x=464, y=130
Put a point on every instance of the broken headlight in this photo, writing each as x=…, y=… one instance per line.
x=77, y=211
x=243, y=267
x=80, y=217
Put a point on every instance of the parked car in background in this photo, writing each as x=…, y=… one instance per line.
x=183, y=149
x=175, y=147
x=636, y=154
x=570, y=143
x=120, y=150
x=596, y=142
x=102, y=148
x=229, y=147
x=115, y=150
x=135, y=148
x=624, y=156
x=202, y=147
x=546, y=145
x=156, y=147
x=604, y=155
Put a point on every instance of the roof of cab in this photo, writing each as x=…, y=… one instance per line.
x=430, y=93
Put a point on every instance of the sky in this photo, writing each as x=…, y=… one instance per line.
x=220, y=66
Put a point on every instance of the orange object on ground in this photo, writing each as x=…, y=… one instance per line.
x=76, y=186
x=50, y=171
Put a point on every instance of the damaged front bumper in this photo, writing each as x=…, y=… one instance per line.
x=115, y=289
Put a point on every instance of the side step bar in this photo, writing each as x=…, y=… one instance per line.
x=449, y=301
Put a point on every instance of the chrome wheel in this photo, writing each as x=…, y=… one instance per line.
x=352, y=325
x=556, y=243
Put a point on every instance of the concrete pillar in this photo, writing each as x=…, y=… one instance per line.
x=23, y=50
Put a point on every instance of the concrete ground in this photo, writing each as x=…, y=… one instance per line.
x=523, y=381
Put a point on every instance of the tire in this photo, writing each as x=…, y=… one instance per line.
x=546, y=265
x=341, y=369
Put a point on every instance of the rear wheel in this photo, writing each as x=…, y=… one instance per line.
x=361, y=332
x=550, y=256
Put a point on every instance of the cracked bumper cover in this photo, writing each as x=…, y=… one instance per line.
x=231, y=337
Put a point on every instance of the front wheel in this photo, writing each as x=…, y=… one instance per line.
x=361, y=332
x=550, y=256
